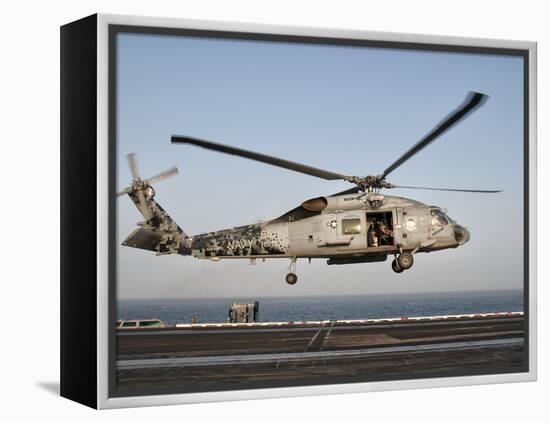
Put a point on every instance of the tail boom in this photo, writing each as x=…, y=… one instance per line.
x=159, y=232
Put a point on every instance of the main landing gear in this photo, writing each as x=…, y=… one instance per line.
x=402, y=262
x=291, y=277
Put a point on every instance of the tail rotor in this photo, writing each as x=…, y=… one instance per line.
x=132, y=164
x=139, y=185
x=158, y=232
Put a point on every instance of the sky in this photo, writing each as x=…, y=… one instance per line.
x=351, y=110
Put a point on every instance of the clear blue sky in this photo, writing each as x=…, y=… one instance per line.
x=346, y=109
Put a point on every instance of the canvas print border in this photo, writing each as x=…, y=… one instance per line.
x=106, y=189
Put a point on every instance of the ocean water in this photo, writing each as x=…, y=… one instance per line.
x=296, y=309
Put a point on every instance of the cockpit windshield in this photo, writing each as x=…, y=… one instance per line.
x=438, y=218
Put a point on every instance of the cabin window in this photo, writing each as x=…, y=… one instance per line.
x=129, y=324
x=351, y=226
x=150, y=323
x=438, y=218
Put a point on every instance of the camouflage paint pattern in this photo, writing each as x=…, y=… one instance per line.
x=251, y=240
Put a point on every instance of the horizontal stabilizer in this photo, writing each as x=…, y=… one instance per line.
x=143, y=238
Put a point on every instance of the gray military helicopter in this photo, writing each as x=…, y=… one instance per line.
x=359, y=225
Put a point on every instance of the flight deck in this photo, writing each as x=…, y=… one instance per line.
x=227, y=356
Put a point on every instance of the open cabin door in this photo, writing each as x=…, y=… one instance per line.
x=380, y=228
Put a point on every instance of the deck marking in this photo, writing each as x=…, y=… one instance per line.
x=313, y=339
x=274, y=357
x=410, y=324
x=325, y=339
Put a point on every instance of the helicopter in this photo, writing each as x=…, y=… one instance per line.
x=358, y=225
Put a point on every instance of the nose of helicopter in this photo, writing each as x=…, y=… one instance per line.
x=462, y=235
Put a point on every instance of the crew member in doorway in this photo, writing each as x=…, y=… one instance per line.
x=372, y=237
x=384, y=233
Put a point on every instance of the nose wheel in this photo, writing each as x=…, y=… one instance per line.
x=403, y=261
x=396, y=268
x=291, y=277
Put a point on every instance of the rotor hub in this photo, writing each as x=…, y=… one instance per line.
x=369, y=182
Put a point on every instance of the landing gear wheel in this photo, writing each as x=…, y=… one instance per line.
x=291, y=278
x=405, y=260
x=396, y=267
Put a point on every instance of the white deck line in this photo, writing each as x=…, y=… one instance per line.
x=269, y=357
x=328, y=322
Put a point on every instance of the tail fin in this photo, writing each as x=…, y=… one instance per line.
x=159, y=232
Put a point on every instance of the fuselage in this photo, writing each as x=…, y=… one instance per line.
x=342, y=228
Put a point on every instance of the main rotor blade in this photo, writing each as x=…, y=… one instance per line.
x=482, y=191
x=353, y=190
x=132, y=164
x=286, y=164
x=161, y=176
x=472, y=102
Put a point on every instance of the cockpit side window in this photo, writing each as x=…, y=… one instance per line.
x=438, y=218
